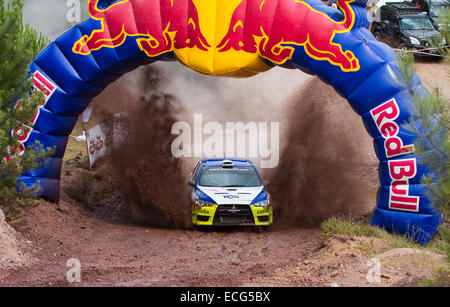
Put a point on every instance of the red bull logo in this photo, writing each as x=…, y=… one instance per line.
x=158, y=31
x=272, y=38
x=222, y=36
x=384, y=116
x=400, y=171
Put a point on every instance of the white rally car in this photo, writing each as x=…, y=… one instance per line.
x=229, y=192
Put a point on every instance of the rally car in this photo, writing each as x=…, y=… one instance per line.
x=229, y=192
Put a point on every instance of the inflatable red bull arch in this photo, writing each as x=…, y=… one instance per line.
x=240, y=38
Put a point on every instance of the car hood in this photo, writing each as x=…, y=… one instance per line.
x=223, y=196
x=423, y=34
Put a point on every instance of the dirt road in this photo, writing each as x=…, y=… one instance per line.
x=126, y=255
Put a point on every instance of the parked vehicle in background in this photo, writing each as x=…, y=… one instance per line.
x=433, y=8
x=403, y=25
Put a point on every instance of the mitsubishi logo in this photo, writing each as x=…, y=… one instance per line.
x=234, y=209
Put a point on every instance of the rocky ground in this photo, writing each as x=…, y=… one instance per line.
x=349, y=261
x=118, y=254
x=14, y=250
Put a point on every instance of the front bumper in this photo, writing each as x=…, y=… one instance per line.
x=227, y=215
x=426, y=50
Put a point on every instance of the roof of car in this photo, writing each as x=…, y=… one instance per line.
x=219, y=162
x=438, y=1
x=401, y=8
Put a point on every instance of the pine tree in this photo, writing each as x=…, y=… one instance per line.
x=18, y=103
x=432, y=128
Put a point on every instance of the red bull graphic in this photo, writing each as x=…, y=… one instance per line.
x=22, y=133
x=253, y=28
x=384, y=116
x=401, y=171
x=275, y=40
x=157, y=31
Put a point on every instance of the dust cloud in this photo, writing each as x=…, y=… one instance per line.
x=326, y=167
x=151, y=179
x=262, y=98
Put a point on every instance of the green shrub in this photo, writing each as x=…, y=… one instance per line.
x=19, y=45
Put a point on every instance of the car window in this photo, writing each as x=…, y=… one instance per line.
x=437, y=9
x=229, y=177
x=416, y=23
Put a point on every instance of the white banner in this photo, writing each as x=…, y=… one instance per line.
x=102, y=138
x=97, y=143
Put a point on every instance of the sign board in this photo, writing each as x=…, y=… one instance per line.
x=97, y=143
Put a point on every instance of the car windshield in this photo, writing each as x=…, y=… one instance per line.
x=229, y=177
x=437, y=9
x=416, y=23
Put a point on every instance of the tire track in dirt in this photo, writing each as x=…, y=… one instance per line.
x=129, y=255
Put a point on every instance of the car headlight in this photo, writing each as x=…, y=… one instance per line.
x=203, y=203
x=262, y=203
x=414, y=41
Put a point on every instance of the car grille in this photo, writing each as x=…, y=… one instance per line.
x=233, y=214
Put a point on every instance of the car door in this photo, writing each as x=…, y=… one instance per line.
x=397, y=36
x=390, y=29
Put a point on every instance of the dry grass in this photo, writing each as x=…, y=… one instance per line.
x=340, y=226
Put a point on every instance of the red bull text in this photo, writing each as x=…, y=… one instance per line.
x=400, y=171
x=22, y=133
